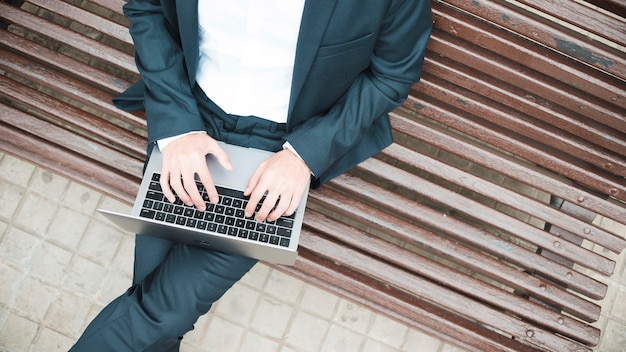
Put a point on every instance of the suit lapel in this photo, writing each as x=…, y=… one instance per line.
x=187, y=12
x=315, y=18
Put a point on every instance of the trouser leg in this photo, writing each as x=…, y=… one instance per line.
x=167, y=303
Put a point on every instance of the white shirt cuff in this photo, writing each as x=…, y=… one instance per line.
x=162, y=143
x=288, y=145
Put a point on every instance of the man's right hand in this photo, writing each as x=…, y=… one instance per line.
x=184, y=158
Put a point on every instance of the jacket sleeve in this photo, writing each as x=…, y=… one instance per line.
x=333, y=142
x=168, y=99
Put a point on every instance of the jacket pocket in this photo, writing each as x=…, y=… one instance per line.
x=364, y=43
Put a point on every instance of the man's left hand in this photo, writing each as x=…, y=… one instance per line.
x=282, y=179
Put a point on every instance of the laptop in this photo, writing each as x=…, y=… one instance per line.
x=222, y=226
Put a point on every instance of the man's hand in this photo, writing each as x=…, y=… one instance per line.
x=182, y=160
x=284, y=177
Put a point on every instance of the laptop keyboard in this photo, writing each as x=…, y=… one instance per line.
x=227, y=217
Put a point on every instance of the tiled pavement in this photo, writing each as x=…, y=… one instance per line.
x=61, y=262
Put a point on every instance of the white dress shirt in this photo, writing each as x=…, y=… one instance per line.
x=247, y=54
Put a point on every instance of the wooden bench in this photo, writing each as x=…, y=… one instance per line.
x=476, y=226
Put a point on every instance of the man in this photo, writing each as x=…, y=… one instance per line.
x=312, y=80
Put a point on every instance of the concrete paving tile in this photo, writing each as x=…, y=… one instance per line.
x=257, y=276
x=371, y=345
x=613, y=337
x=238, y=304
x=17, y=247
x=84, y=277
x=389, y=332
x=283, y=287
x=50, y=263
x=114, y=284
x=15, y=170
x=342, y=339
x=124, y=257
x=306, y=332
x=68, y=313
x=271, y=317
x=354, y=317
x=10, y=199
x=253, y=342
x=34, y=298
x=3, y=228
x=100, y=242
x=49, y=184
x=67, y=228
x=318, y=302
x=36, y=213
x=11, y=281
x=195, y=337
x=81, y=198
x=222, y=335
x=112, y=204
x=17, y=333
x=418, y=341
x=49, y=340
x=618, y=309
x=451, y=348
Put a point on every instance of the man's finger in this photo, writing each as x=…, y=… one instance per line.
x=164, y=181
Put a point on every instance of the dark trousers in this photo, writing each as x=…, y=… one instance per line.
x=175, y=284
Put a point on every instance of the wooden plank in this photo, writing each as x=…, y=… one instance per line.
x=462, y=244
x=75, y=40
x=66, y=159
x=75, y=120
x=113, y=5
x=69, y=87
x=89, y=75
x=424, y=316
x=535, y=29
x=431, y=292
x=396, y=255
x=502, y=195
x=511, y=167
x=528, y=108
x=57, y=135
x=553, y=160
x=85, y=18
x=584, y=17
x=604, y=94
x=436, y=193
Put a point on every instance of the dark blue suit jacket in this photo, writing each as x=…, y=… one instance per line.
x=355, y=62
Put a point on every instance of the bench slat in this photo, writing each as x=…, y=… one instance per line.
x=31, y=139
x=512, y=167
x=551, y=64
x=541, y=118
x=405, y=308
x=75, y=40
x=113, y=5
x=75, y=119
x=86, y=18
x=551, y=159
x=502, y=273
x=437, y=294
x=559, y=38
x=73, y=89
x=583, y=17
x=429, y=190
x=469, y=236
x=504, y=196
x=49, y=58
